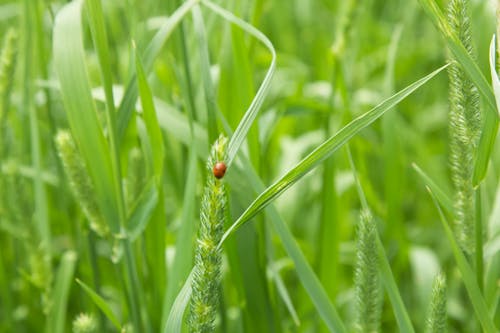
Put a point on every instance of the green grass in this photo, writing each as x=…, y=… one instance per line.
x=108, y=111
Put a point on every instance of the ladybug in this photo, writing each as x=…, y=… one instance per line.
x=219, y=170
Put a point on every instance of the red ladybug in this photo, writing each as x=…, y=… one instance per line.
x=219, y=170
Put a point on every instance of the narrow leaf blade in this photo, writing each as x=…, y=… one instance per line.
x=324, y=151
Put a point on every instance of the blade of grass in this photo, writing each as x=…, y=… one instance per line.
x=175, y=318
x=41, y=214
x=104, y=168
x=246, y=122
x=210, y=100
x=283, y=291
x=101, y=304
x=183, y=259
x=57, y=315
x=142, y=210
x=441, y=195
x=153, y=130
x=391, y=286
x=467, y=273
x=324, y=151
x=80, y=108
x=495, y=82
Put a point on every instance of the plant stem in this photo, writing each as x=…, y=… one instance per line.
x=479, y=241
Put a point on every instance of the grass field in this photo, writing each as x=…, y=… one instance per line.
x=249, y=166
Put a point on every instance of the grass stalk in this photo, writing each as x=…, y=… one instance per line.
x=479, y=258
x=41, y=219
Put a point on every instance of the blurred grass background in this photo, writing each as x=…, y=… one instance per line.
x=335, y=61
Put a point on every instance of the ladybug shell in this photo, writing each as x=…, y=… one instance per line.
x=219, y=170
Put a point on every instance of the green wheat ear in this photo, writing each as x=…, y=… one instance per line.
x=436, y=319
x=366, y=279
x=464, y=128
x=79, y=180
x=207, y=270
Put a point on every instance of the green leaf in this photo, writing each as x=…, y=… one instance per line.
x=142, y=210
x=183, y=259
x=402, y=317
x=441, y=195
x=150, y=119
x=246, y=122
x=69, y=63
x=495, y=82
x=175, y=318
x=101, y=304
x=323, y=152
x=208, y=86
x=57, y=315
x=468, y=275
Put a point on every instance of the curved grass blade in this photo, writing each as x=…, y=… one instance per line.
x=175, y=318
x=183, y=259
x=323, y=152
x=283, y=292
x=248, y=118
x=441, y=195
x=57, y=315
x=495, y=82
x=101, y=304
x=69, y=62
x=468, y=275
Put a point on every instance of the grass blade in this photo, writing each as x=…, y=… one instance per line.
x=398, y=306
x=153, y=130
x=324, y=151
x=101, y=304
x=495, y=82
x=69, y=63
x=57, y=316
x=142, y=211
x=246, y=122
x=183, y=260
x=175, y=318
x=441, y=195
x=208, y=86
x=468, y=275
